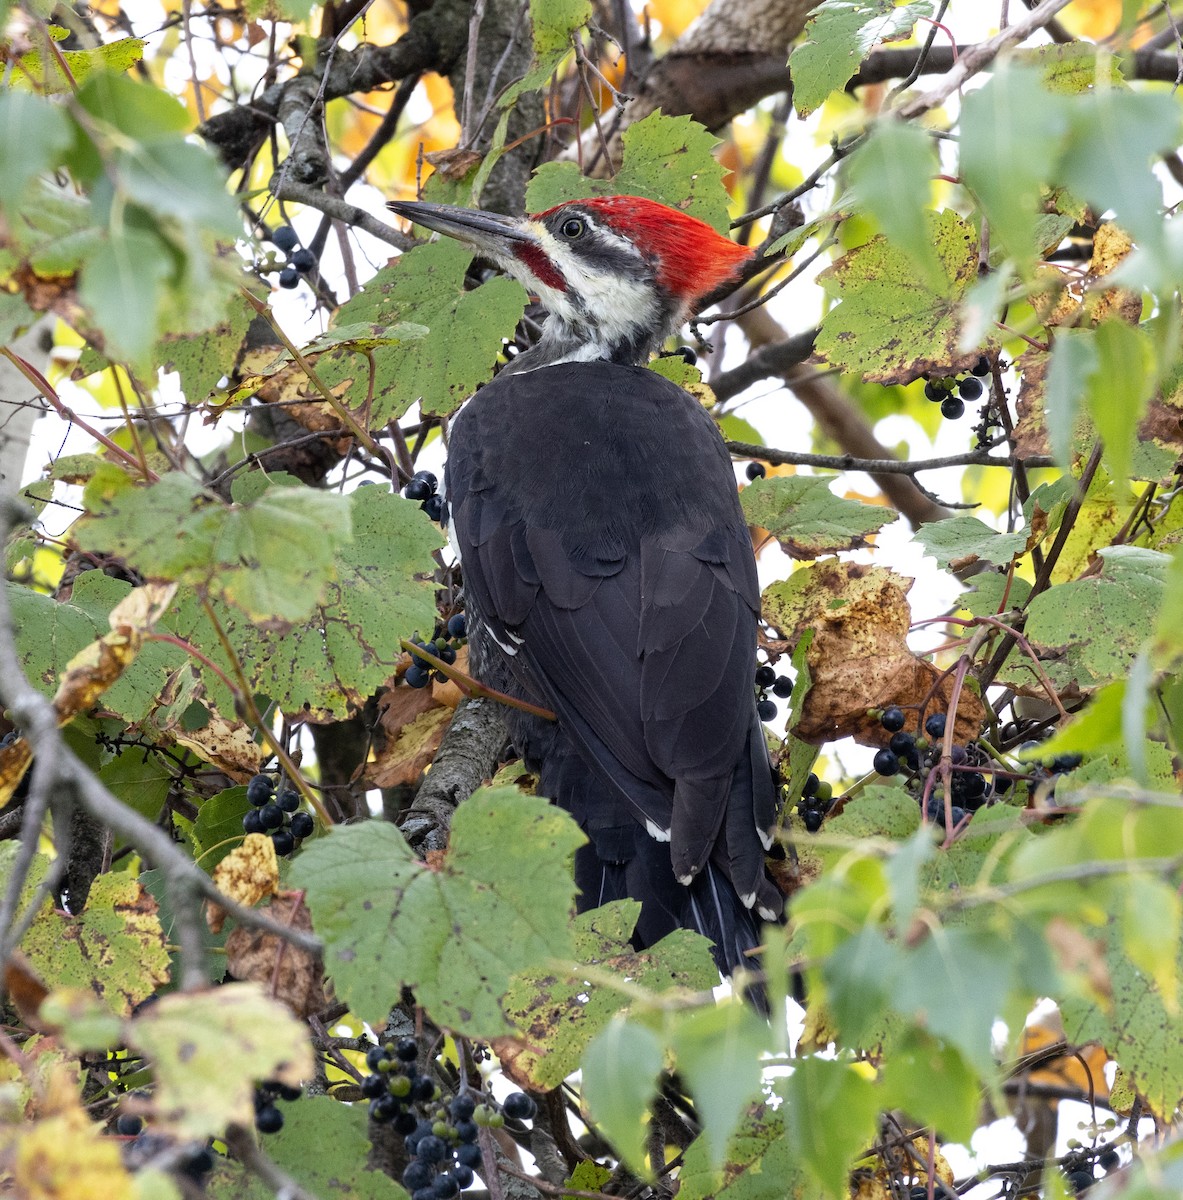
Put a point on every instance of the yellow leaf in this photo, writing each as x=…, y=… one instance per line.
x=246, y=875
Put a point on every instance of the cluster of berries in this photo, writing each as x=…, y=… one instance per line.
x=280, y=816
x=976, y=778
x=300, y=259
x=817, y=798
x=443, y=645
x=440, y=1139
x=422, y=487
x=268, y=1114
x=952, y=393
x=767, y=680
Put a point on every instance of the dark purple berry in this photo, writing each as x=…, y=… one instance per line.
x=260, y=790
x=970, y=388
x=416, y=676
x=766, y=710
x=303, y=260
x=457, y=625
x=252, y=822
x=284, y=238
x=271, y=816
x=952, y=408
x=886, y=762
x=782, y=686
x=934, y=725
x=755, y=470
x=902, y=744
x=934, y=392
x=892, y=719
x=417, y=1175
x=765, y=676
x=981, y=367
x=406, y=1049
x=268, y=1119
x=283, y=841
x=519, y=1106
x=289, y=277
x=812, y=819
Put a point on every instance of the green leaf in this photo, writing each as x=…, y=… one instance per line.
x=667, y=159
x=381, y=590
x=336, y=1171
x=441, y=370
x=498, y=904
x=1011, y=130
x=123, y=286
x=807, y=518
x=136, y=109
x=718, y=1053
x=114, y=949
x=933, y=1084
x=838, y=36
x=48, y=634
x=271, y=558
x=558, y=1013
x=33, y=133
x=891, y=178
x=620, y=1072
x=1119, y=390
x=890, y=327
x=142, y=781
x=1073, y=365
x=990, y=592
x=1114, y=134
x=830, y=1113
x=1136, y=1028
x=959, y=541
x=554, y=22
x=208, y=1050
x=218, y=828
x=1090, y=630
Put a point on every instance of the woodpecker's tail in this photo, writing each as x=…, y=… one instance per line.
x=622, y=861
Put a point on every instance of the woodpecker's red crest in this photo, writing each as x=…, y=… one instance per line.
x=691, y=259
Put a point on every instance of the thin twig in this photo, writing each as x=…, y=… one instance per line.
x=880, y=466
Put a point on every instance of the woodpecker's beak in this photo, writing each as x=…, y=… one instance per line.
x=489, y=233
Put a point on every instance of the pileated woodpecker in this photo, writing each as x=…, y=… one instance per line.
x=608, y=571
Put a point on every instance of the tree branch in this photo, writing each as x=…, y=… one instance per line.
x=880, y=466
x=467, y=757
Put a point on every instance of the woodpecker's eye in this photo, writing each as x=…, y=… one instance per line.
x=573, y=227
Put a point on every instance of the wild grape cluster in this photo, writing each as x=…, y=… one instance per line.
x=279, y=815
x=423, y=487
x=194, y=1161
x=439, y=1138
x=767, y=680
x=976, y=777
x=300, y=260
x=444, y=644
x=817, y=798
x=952, y=393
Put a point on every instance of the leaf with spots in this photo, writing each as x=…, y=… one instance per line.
x=441, y=369
x=667, y=159
x=115, y=948
x=497, y=903
x=559, y=1013
x=891, y=326
x=1138, y=1030
x=807, y=518
x=208, y=1049
x=48, y=634
x=381, y=591
x=1089, y=631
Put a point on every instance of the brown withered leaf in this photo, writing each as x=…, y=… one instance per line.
x=859, y=657
x=293, y=976
x=453, y=164
x=247, y=874
x=23, y=986
x=401, y=760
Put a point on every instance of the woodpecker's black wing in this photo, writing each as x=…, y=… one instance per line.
x=604, y=551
